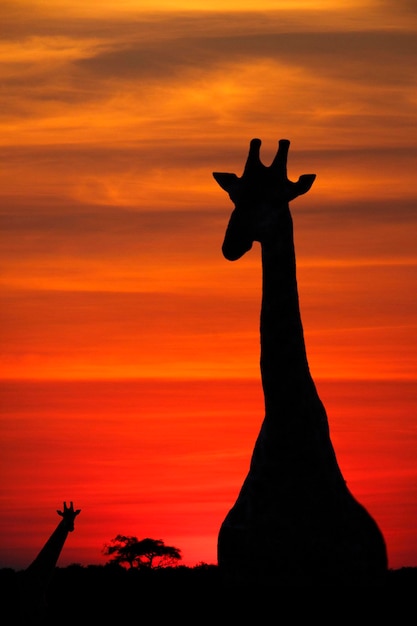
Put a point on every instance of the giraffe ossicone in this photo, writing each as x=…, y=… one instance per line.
x=294, y=521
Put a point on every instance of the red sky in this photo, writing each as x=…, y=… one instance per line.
x=130, y=347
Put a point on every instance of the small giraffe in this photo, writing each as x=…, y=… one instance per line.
x=294, y=520
x=37, y=576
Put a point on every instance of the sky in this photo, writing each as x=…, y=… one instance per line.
x=129, y=367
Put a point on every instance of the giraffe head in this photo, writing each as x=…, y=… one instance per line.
x=68, y=516
x=258, y=195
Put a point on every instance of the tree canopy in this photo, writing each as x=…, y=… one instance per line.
x=145, y=553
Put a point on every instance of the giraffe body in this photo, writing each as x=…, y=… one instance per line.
x=295, y=520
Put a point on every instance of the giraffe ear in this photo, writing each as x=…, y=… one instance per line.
x=226, y=181
x=304, y=183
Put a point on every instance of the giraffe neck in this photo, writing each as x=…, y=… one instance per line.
x=284, y=366
x=45, y=562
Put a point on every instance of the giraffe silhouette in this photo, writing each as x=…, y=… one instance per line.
x=294, y=521
x=37, y=576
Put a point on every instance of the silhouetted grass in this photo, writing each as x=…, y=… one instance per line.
x=95, y=595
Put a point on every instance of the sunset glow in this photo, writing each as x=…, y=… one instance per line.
x=130, y=376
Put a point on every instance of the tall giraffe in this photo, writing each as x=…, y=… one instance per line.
x=37, y=576
x=295, y=520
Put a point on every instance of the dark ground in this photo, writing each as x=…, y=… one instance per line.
x=96, y=595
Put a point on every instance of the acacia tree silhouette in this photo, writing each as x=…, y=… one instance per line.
x=141, y=554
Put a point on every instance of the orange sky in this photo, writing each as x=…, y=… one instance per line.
x=112, y=120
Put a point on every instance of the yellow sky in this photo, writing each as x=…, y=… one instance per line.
x=93, y=7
